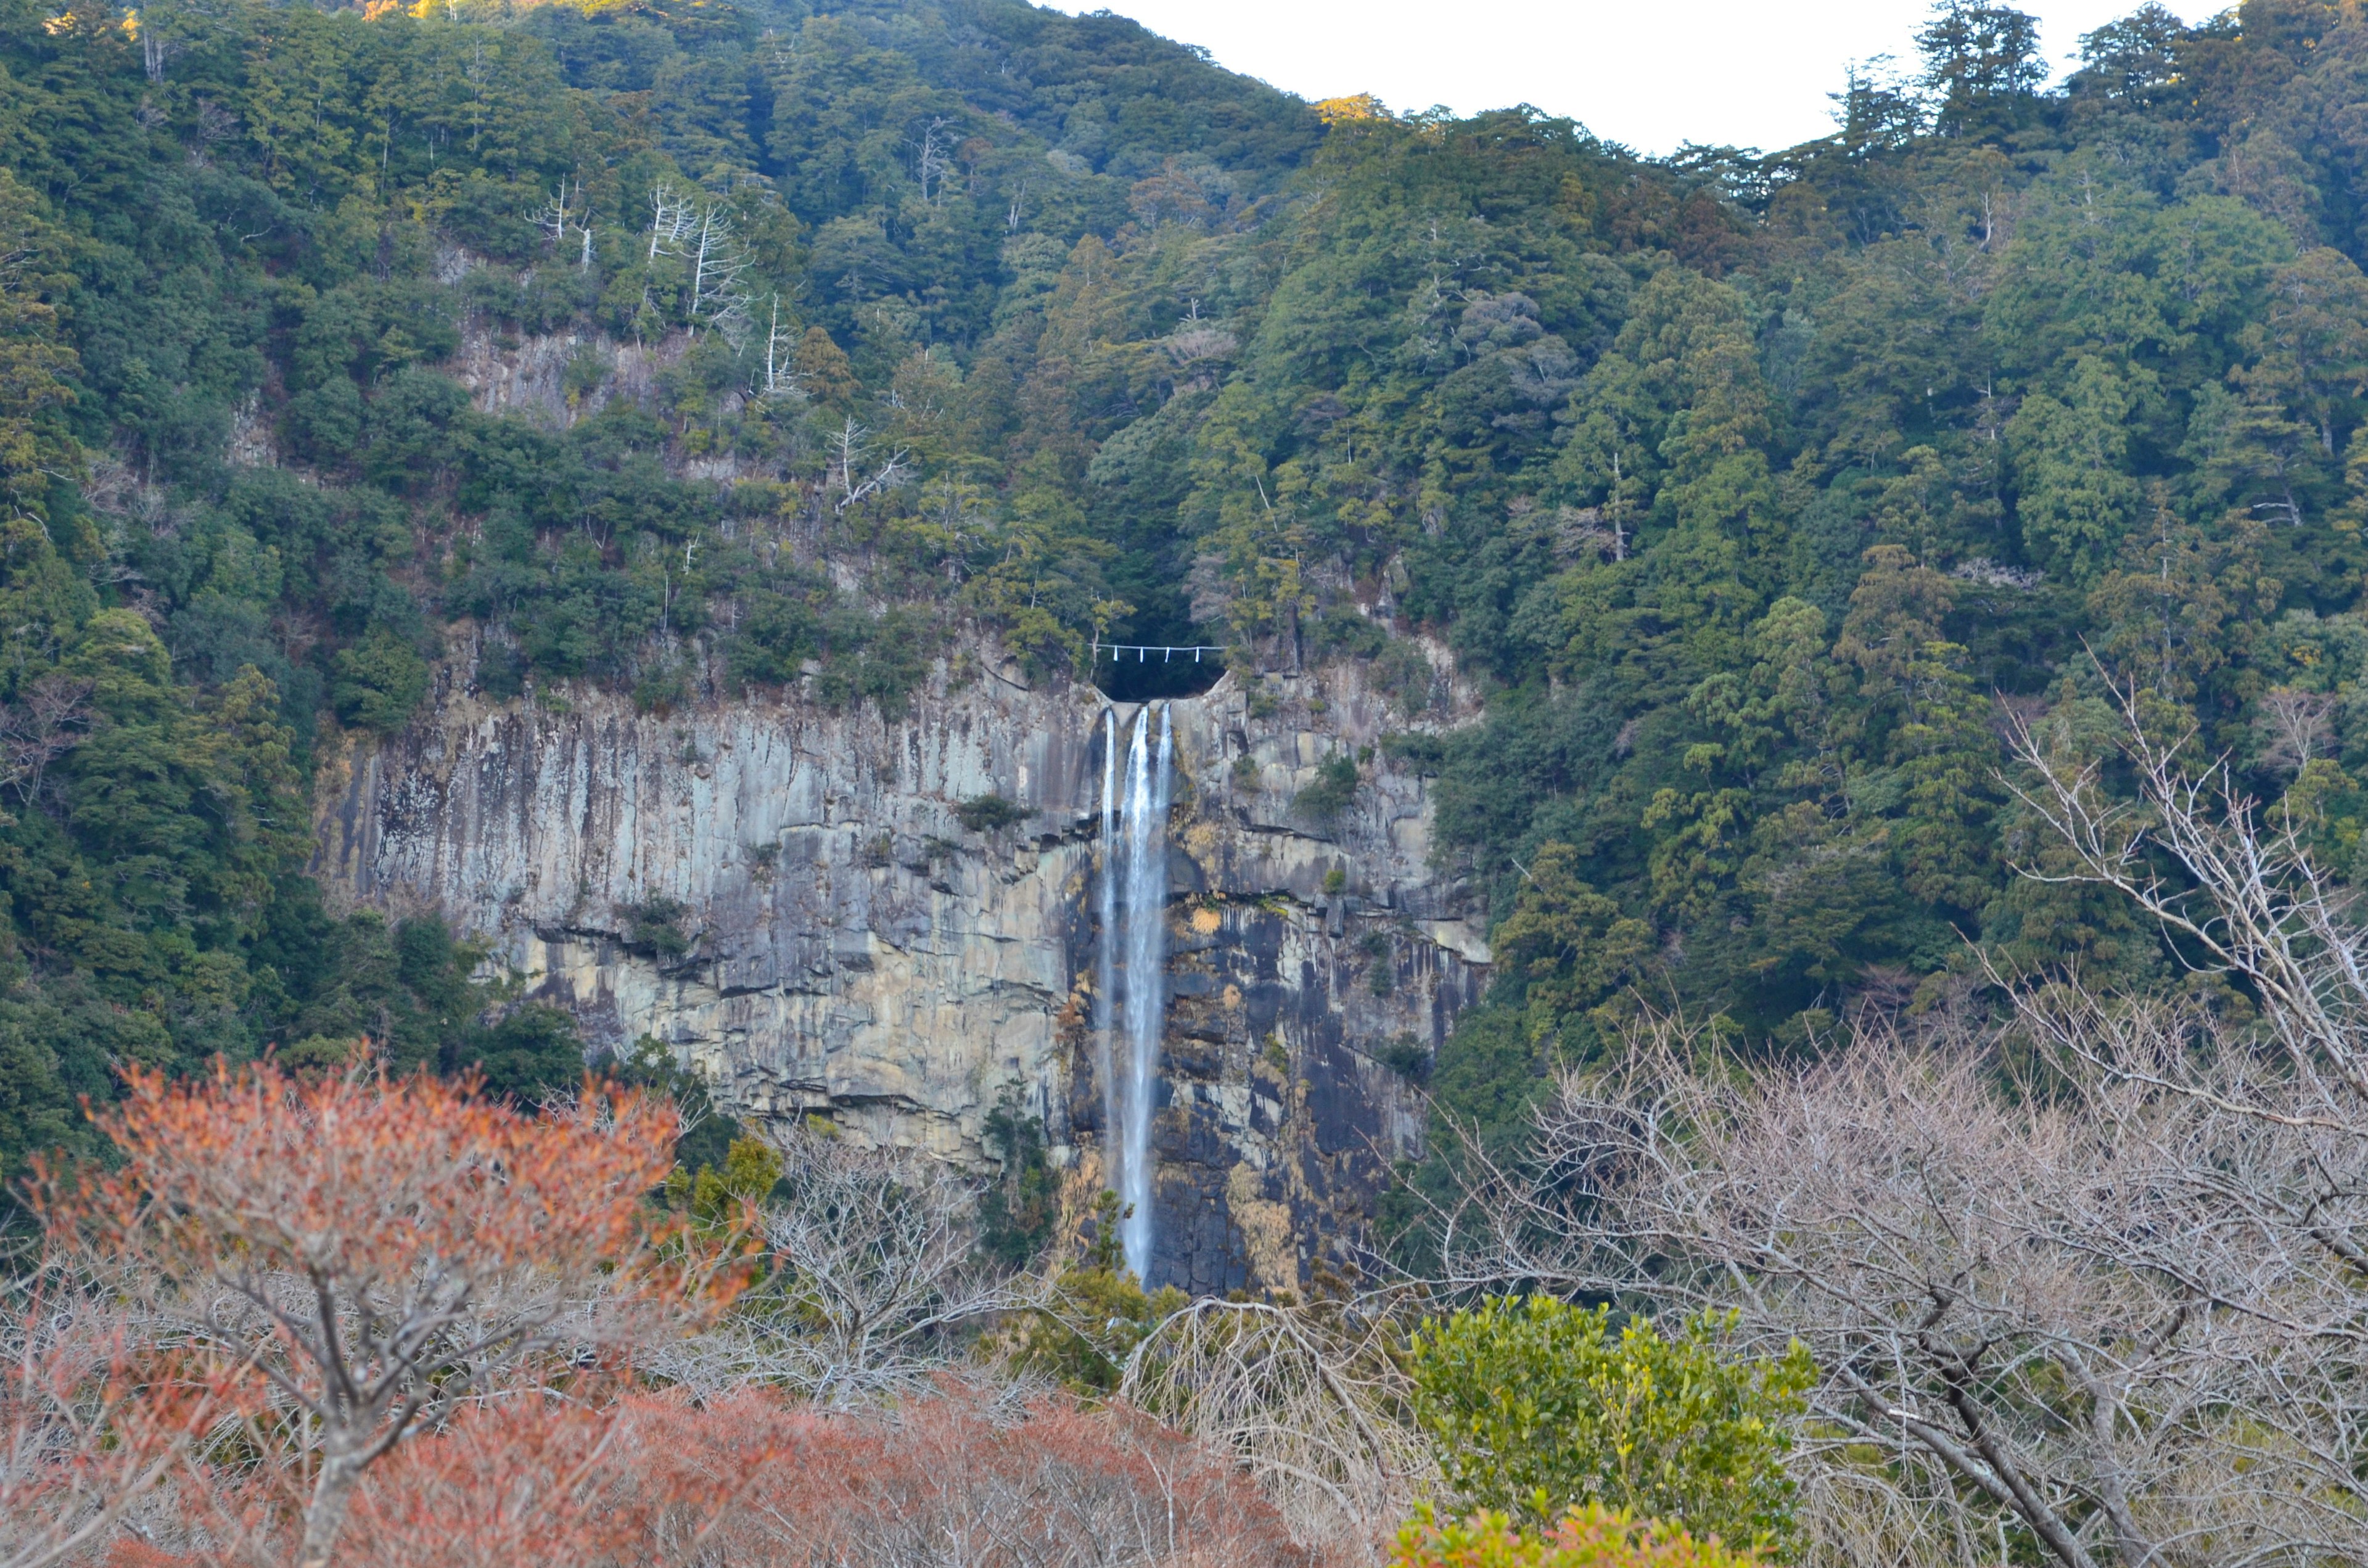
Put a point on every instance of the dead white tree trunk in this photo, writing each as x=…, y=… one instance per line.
x=717, y=264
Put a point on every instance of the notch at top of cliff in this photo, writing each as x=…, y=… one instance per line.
x=1156, y=673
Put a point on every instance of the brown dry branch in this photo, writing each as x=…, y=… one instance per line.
x=1311, y=1402
x=966, y=1475
x=877, y=1276
x=2112, y=1302
x=92, y=1421
x=373, y=1254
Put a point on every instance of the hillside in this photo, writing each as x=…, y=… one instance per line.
x=1759, y=492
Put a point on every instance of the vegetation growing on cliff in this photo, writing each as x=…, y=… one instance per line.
x=733, y=348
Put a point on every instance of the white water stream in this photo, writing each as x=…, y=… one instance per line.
x=1131, y=969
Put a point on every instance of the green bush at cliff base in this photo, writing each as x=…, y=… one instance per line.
x=1019, y=1210
x=1536, y=1405
x=1590, y=1537
x=715, y=1199
x=1099, y=1313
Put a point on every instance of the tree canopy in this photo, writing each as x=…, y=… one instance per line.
x=696, y=349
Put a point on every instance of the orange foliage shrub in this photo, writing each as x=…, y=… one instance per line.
x=531, y=1480
x=961, y=1478
x=408, y=1279
x=375, y=1254
x=1591, y=1537
x=653, y=1481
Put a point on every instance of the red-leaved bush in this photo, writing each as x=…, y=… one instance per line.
x=360, y=1258
x=959, y=1478
x=652, y=1480
x=417, y=1313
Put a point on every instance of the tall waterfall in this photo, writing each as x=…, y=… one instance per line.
x=1133, y=993
x=1106, y=950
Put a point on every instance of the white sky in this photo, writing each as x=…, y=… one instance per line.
x=1747, y=73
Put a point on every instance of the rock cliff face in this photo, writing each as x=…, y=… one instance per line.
x=787, y=898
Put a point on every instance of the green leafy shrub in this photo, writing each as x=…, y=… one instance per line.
x=1535, y=1406
x=1099, y=1312
x=1406, y=1056
x=1590, y=1537
x=714, y=1198
x=654, y=926
x=988, y=813
x=706, y=1136
x=531, y=1055
x=1336, y=782
x=380, y=682
x=1018, y=1211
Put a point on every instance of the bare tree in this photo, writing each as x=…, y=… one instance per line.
x=931, y=158
x=2113, y=1300
x=877, y=1271
x=1968, y=1267
x=717, y=261
x=2296, y=724
x=672, y=220
x=850, y=455
x=553, y=215
x=779, y=380
x=49, y=722
x=1312, y=1401
x=1584, y=533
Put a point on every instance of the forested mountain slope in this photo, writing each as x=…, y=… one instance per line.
x=1760, y=491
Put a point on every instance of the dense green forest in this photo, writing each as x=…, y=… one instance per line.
x=1760, y=491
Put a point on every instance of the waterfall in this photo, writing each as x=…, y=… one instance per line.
x=1135, y=997
x=1106, y=950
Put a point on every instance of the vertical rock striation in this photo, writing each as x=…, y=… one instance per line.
x=786, y=897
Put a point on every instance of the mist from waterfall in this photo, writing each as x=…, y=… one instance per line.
x=1133, y=992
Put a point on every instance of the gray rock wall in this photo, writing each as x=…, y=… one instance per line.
x=851, y=950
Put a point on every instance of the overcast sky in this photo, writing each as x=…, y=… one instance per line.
x=1649, y=73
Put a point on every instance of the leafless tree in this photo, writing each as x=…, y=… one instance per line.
x=553, y=215
x=850, y=455
x=779, y=380
x=1968, y=1267
x=673, y=219
x=876, y=1272
x=48, y=722
x=932, y=157
x=2296, y=724
x=1581, y=533
x=2111, y=1299
x=717, y=261
x=1310, y=1400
